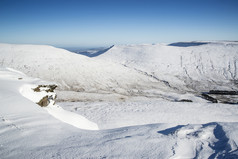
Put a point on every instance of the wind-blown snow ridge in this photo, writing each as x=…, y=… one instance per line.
x=26, y=90
x=56, y=111
x=71, y=118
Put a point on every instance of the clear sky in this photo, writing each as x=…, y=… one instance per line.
x=92, y=23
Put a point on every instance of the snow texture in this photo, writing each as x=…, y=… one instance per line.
x=212, y=65
x=149, y=122
x=72, y=71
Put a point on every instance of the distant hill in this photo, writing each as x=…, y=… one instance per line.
x=185, y=65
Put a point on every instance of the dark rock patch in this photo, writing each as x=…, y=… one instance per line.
x=185, y=100
x=37, y=89
x=221, y=92
x=223, y=96
x=229, y=102
x=52, y=88
x=209, y=98
x=49, y=88
x=44, y=101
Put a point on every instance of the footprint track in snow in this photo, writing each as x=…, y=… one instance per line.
x=9, y=123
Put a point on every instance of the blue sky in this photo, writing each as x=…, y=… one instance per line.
x=92, y=23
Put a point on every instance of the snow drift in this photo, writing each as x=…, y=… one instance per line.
x=15, y=84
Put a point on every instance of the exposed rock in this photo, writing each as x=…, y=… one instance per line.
x=209, y=98
x=226, y=99
x=37, y=89
x=228, y=102
x=185, y=100
x=221, y=92
x=44, y=101
x=50, y=95
x=47, y=88
x=223, y=96
x=52, y=88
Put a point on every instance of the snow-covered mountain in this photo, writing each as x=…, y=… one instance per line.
x=131, y=70
x=141, y=128
x=199, y=66
x=73, y=71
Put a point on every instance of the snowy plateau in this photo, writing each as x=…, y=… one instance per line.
x=160, y=101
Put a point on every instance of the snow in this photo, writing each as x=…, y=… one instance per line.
x=72, y=71
x=71, y=118
x=209, y=66
x=127, y=108
x=26, y=90
x=129, y=70
x=109, y=115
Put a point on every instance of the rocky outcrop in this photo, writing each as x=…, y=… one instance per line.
x=221, y=96
x=209, y=98
x=50, y=96
x=47, y=88
x=185, y=100
x=44, y=101
x=221, y=92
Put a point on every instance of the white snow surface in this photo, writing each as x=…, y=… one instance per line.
x=73, y=71
x=56, y=111
x=29, y=131
x=129, y=70
x=148, y=125
x=212, y=65
x=110, y=115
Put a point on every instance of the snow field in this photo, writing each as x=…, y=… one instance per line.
x=22, y=122
x=209, y=66
x=145, y=119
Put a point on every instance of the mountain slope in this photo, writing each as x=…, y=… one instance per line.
x=188, y=66
x=75, y=72
x=153, y=71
